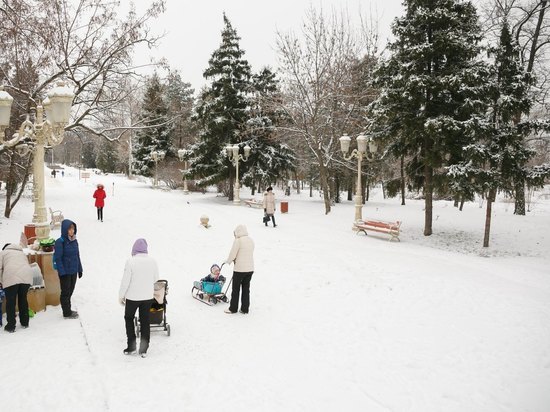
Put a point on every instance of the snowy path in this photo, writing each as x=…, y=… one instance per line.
x=337, y=321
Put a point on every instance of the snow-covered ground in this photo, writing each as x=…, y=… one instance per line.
x=338, y=321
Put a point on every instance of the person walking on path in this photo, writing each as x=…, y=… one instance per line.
x=269, y=205
x=137, y=290
x=68, y=265
x=99, y=196
x=242, y=254
x=15, y=279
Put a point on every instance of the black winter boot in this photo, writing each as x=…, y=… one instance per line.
x=131, y=349
x=143, y=346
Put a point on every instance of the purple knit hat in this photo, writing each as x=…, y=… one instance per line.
x=140, y=246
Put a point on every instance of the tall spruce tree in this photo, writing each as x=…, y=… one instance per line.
x=269, y=159
x=431, y=90
x=157, y=131
x=497, y=161
x=107, y=157
x=222, y=111
x=179, y=98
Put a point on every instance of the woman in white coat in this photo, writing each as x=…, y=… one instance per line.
x=242, y=254
x=269, y=205
x=15, y=279
x=136, y=292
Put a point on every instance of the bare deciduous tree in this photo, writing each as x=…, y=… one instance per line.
x=82, y=41
x=320, y=99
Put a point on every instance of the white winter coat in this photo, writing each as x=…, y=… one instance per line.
x=269, y=202
x=140, y=274
x=242, y=251
x=14, y=267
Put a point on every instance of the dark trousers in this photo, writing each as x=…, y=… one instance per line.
x=272, y=219
x=17, y=293
x=67, y=283
x=240, y=280
x=100, y=213
x=129, y=313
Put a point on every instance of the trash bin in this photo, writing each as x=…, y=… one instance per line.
x=284, y=207
x=30, y=233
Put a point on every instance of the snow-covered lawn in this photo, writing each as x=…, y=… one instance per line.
x=338, y=321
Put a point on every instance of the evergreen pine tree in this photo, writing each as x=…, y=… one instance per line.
x=88, y=155
x=269, y=159
x=107, y=157
x=222, y=111
x=157, y=132
x=432, y=86
x=179, y=98
x=497, y=161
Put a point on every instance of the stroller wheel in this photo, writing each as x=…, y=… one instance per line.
x=224, y=299
x=200, y=295
x=168, y=330
x=214, y=300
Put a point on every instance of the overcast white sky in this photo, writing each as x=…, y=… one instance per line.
x=194, y=28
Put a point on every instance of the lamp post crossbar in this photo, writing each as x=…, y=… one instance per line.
x=234, y=156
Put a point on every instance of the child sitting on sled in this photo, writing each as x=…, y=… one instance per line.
x=213, y=277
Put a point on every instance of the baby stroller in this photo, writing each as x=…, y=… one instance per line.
x=157, y=315
x=210, y=292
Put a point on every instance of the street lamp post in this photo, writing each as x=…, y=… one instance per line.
x=181, y=155
x=57, y=107
x=157, y=155
x=358, y=153
x=233, y=155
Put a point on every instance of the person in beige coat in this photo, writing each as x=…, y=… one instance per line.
x=16, y=279
x=269, y=205
x=242, y=255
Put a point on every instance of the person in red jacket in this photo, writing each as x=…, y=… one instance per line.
x=99, y=196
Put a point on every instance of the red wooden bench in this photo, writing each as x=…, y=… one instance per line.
x=391, y=228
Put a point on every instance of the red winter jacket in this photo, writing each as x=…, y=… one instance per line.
x=99, y=196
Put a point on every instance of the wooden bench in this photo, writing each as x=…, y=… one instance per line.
x=254, y=203
x=56, y=218
x=391, y=228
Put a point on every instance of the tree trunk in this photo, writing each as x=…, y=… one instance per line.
x=519, y=207
x=297, y=182
x=350, y=192
x=455, y=204
x=12, y=184
x=337, y=190
x=461, y=203
x=536, y=34
x=311, y=188
x=428, y=200
x=490, y=200
x=402, y=180
x=323, y=177
x=9, y=191
x=230, y=192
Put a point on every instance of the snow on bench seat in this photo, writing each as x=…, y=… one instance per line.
x=391, y=228
x=254, y=203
